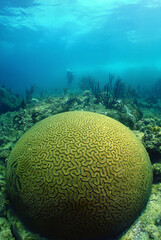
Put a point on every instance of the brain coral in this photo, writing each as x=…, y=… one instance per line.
x=79, y=175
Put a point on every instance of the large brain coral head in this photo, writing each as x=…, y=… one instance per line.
x=79, y=175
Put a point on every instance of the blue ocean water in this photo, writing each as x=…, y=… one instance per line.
x=40, y=40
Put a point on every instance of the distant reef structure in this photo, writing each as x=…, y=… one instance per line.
x=9, y=101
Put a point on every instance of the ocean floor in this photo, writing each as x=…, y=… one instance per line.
x=141, y=117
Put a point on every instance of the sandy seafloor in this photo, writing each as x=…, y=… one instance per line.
x=143, y=118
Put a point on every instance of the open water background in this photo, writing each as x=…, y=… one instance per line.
x=40, y=40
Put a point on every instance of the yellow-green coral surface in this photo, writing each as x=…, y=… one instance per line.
x=79, y=175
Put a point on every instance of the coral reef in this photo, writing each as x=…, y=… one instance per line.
x=151, y=127
x=8, y=101
x=148, y=225
x=111, y=93
x=141, y=115
x=73, y=175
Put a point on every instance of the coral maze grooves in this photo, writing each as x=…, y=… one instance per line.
x=79, y=175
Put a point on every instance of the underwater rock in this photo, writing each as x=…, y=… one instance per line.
x=8, y=101
x=4, y=154
x=86, y=93
x=2, y=191
x=144, y=124
x=152, y=137
x=121, y=116
x=35, y=114
x=79, y=175
x=156, y=172
x=147, y=226
x=5, y=231
x=18, y=230
x=34, y=101
x=152, y=142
